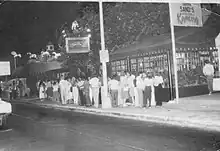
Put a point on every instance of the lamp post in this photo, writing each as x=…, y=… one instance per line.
x=15, y=55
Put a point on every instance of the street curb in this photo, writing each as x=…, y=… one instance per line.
x=174, y=121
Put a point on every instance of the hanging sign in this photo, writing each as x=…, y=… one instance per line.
x=78, y=45
x=186, y=14
x=104, y=56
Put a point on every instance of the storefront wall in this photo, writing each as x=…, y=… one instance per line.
x=190, y=63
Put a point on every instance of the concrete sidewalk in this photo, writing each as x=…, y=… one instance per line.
x=201, y=112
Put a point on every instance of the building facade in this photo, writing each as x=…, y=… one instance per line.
x=193, y=47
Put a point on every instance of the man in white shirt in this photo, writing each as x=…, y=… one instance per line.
x=63, y=90
x=148, y=82
x=95, y=85
x=114, y=86
x=208, y=71
x=56, y=94
x=131, y=87
x=140, y=89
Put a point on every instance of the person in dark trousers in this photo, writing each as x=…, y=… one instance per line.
x=208, y=71
x=14, y=90
x=158, y=86
x=86, y=93
x=0, y=91
x=148, y=82
x=114, y=86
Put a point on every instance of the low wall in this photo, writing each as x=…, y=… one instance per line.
x=184, y=92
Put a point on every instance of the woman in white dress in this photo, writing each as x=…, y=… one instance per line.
x=90, y=92
x=75, y=91
x=42, y=91
x=136, y=99
x=140, y=90
x=69, y=91
x=131, y=88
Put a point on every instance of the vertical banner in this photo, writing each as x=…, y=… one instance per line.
x=78, y=45
x=186, y=14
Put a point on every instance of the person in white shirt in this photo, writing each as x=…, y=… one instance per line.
x=75, y=91
x=80, y=84
x=90, y=92
x=56, y=94
x=148, y=82
x=158, y=86
x=42, y=91
x=114, y=86
x=131, y=87
x=140, y=89
x=121, y=87
x=125, y=88
x=208, y=71
x=69, y=91
x=95, y=85
x=63, y=85
x=135, y=92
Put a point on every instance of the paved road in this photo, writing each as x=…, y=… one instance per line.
x=40, y=129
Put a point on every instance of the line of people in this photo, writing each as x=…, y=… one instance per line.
x=81, y=91
x=142, y=90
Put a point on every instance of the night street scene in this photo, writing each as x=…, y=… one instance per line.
x=109, y=76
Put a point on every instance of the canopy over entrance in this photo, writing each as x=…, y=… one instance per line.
x=186, y=37
x=35, y=68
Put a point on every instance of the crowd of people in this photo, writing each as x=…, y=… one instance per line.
x=66, y=90
x=141, y=90
x=17, y=89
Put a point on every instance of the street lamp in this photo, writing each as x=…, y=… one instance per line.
x=15, y=55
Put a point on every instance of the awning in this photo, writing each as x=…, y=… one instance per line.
x=187, y=37
x=20, y=72
x=42, y=67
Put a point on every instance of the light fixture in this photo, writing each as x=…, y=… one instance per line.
x=88, y=30
x=17, y=55
x=13, y=53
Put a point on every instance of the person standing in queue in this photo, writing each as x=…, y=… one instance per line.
x=95, y=85
x=131, y=87
x=56, y=94
x=158, y=86
x=140, y=88
x=42, y=86
x=81, y=96
x=148, y=82
x=114, y=86
x=63, y=85
x=86, y=88
x=208, y=71
x=75, y=91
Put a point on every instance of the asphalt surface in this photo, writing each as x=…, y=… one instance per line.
x=42, y=129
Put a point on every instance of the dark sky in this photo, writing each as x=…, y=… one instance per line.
x=28, y=26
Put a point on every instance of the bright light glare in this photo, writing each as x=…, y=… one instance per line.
x=88, y=30
x=89, y=35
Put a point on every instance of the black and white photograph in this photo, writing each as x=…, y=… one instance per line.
x=110, y=75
